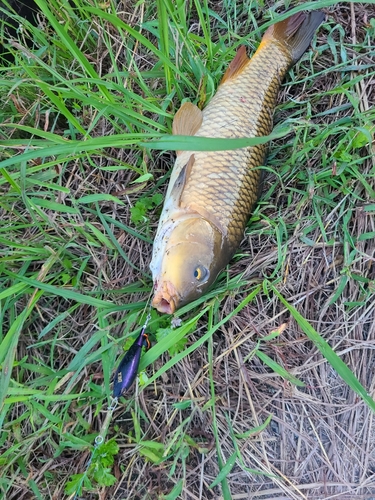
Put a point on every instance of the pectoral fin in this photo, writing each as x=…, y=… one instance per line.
x=181, y=181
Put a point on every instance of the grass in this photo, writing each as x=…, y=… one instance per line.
x=265, y=389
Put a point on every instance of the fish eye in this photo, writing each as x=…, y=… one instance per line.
x=201, y=273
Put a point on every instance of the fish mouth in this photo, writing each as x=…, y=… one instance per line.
x=166, y=298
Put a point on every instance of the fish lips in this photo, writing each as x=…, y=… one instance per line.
x=166, y=298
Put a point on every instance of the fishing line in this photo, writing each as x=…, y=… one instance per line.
x=124, y=377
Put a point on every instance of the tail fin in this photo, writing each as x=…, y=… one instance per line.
x=296, y=32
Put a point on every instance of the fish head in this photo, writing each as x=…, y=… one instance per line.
x=191, y=261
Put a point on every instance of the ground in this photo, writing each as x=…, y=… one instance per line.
x=265, y=386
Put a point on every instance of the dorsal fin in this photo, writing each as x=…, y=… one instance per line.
x=180, y=182
x=237, y=65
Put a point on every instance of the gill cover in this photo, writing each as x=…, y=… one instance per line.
x=190, y=263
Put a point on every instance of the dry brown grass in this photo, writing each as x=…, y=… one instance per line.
x=320, y=443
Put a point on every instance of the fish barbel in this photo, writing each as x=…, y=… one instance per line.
x=211, y=194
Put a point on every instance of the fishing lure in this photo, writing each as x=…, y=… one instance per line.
x=128, y=368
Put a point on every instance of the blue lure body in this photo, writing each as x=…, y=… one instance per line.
x=128, y=367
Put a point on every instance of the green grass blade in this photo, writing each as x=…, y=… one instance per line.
x=189, y=143
x=8, y=348
x=60, y=292
x=158, y=349
x=70, y=44
x=278, y=369
x=225, y=470
x=254, y=430
x=345, y=373
x=142, y=39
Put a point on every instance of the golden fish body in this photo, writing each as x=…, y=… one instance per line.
x=211, y=194
x=226, y=184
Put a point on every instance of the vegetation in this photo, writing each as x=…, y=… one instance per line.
x=264, y=387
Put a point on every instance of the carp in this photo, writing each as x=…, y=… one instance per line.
x=211, y=193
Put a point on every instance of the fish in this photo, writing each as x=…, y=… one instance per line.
x=211, y=194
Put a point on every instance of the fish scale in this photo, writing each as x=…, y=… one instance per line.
x=226, y=183
x=211, y=194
